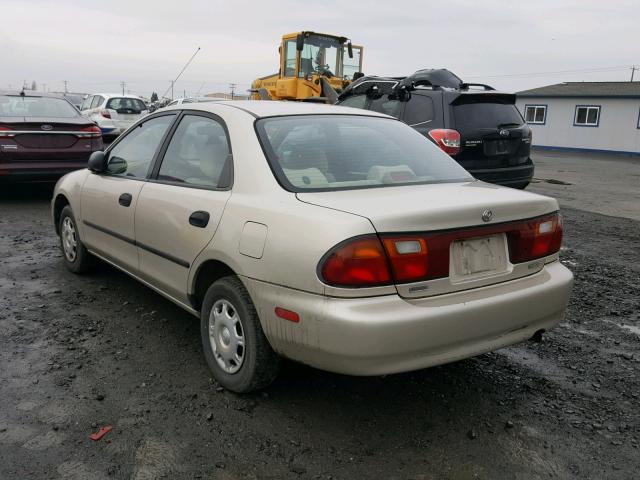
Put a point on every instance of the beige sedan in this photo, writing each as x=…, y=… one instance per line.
x=336, y=237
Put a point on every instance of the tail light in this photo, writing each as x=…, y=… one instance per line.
x=5, y=132
x=374, y=261
x=92, y=132
x=448, y=140
x=105, y=113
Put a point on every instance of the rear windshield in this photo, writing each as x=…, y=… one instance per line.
x=337, y=152
x=126, y=105
x=18, y=106
x=472, y=116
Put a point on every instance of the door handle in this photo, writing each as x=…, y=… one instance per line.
x=199, y=219
x=125, y=199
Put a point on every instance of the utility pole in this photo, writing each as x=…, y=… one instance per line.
x=633, y=70
x=123, y=84
x=232, y=86
x=65, y=86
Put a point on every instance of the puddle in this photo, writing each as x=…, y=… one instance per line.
x=631, y=328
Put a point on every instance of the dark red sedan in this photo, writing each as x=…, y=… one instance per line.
x=42, y=137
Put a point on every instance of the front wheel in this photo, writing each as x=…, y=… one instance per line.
x=76, y=257
x=235, y=347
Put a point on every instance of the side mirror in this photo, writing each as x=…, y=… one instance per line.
x=350, y=49
x=300, y=42
x=98, y=162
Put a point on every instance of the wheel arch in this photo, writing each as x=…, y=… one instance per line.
x=207, y=272
x=59, y=203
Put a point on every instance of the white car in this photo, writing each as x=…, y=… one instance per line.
x=181, y=101
x=337, y=237
x=112, y=112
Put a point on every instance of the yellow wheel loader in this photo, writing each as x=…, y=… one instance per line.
x=313, y=67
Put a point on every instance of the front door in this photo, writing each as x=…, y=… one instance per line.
x=109, y=200
x=180, y=207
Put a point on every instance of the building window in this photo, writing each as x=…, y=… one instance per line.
x=536, y=114
x=587, y=115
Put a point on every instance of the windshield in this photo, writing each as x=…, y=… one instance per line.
x=126, y=105
x=319, y=56
x=338, y=152
x=472, y=116
x=18, y=106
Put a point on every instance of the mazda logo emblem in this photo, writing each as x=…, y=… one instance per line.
x=46, y=127
x=504, y=133
x=487, y=215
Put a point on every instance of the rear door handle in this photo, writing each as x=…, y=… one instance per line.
x=125, y=199
x=199, y=219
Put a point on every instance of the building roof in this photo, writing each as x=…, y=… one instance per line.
x=586, y=89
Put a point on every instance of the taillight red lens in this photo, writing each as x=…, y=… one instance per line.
x=105, y=113
x=360, y=262
x=4, y=132
x=92, y=129
x=448, y=140
x=408, y=257
x=536, y=238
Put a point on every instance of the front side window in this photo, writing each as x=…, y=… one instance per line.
x=198, y=154
x=351, y=65
x=535, y=114
x=355, y=101
x=97, y=101
x=587, y=115
x=338, y=152
x=48, y=107
x=132, y=156
x=319, y=56
x=86, y=105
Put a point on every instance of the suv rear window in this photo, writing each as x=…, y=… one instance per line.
x=126, y=105
x=471, y=116
x=338, y=152
x=48, y=107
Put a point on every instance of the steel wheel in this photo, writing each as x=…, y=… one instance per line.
x=69, y=239
x=226, y=335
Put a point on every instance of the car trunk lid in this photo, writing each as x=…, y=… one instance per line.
x=475, y=209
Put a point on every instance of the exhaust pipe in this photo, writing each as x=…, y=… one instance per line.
x=537, y=337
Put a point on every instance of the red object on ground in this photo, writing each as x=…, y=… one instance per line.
x=100, y=433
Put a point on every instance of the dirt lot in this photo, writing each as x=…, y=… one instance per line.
x=77, y=353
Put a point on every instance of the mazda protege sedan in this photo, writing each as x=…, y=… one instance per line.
x=337, y=237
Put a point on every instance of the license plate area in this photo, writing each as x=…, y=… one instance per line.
x=476, y=258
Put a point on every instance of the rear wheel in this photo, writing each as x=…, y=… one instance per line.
x=235, y=347
x=76, y=257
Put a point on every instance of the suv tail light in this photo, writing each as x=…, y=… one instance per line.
x=92, y=132
x=105, y=113
x=371, y=261
x=448, y=140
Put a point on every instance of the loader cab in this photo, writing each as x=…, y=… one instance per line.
x=307, y=57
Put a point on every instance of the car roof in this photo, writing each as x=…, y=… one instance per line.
x=274, y=108
x=119, y=95
x=31, y=93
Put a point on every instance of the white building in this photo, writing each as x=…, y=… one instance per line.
x=593, y=116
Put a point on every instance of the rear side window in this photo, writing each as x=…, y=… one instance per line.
x=19, y=106
x=356, y=101
x=419, y=110
x=472, y=116
x=126, y=105
x=97, y=100
x=337, y=152
x=386, y=106
x=198, y=154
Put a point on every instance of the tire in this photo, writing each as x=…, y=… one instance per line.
x=76, y=257
x=239, y=356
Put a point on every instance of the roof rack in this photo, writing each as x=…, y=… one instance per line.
x=466, y=85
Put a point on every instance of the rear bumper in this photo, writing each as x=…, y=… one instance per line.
x=508, y=176
x=38, y=171
x=389, y=334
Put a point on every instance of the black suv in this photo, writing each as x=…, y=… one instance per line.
x=478, y=126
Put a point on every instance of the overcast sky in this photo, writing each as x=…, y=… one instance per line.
x=512, y=45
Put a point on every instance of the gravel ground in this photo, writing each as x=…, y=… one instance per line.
x=79, y=353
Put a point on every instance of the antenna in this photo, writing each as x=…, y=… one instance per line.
x=181, y=72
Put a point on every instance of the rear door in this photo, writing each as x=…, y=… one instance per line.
x=180, y=207
x=109, y=200
x=493, y=134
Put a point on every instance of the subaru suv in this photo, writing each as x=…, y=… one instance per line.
x=479, y=127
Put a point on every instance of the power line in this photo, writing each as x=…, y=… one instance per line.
x=530, y=74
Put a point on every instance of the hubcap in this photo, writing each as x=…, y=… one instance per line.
x=69, y=239
x=226, y=336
